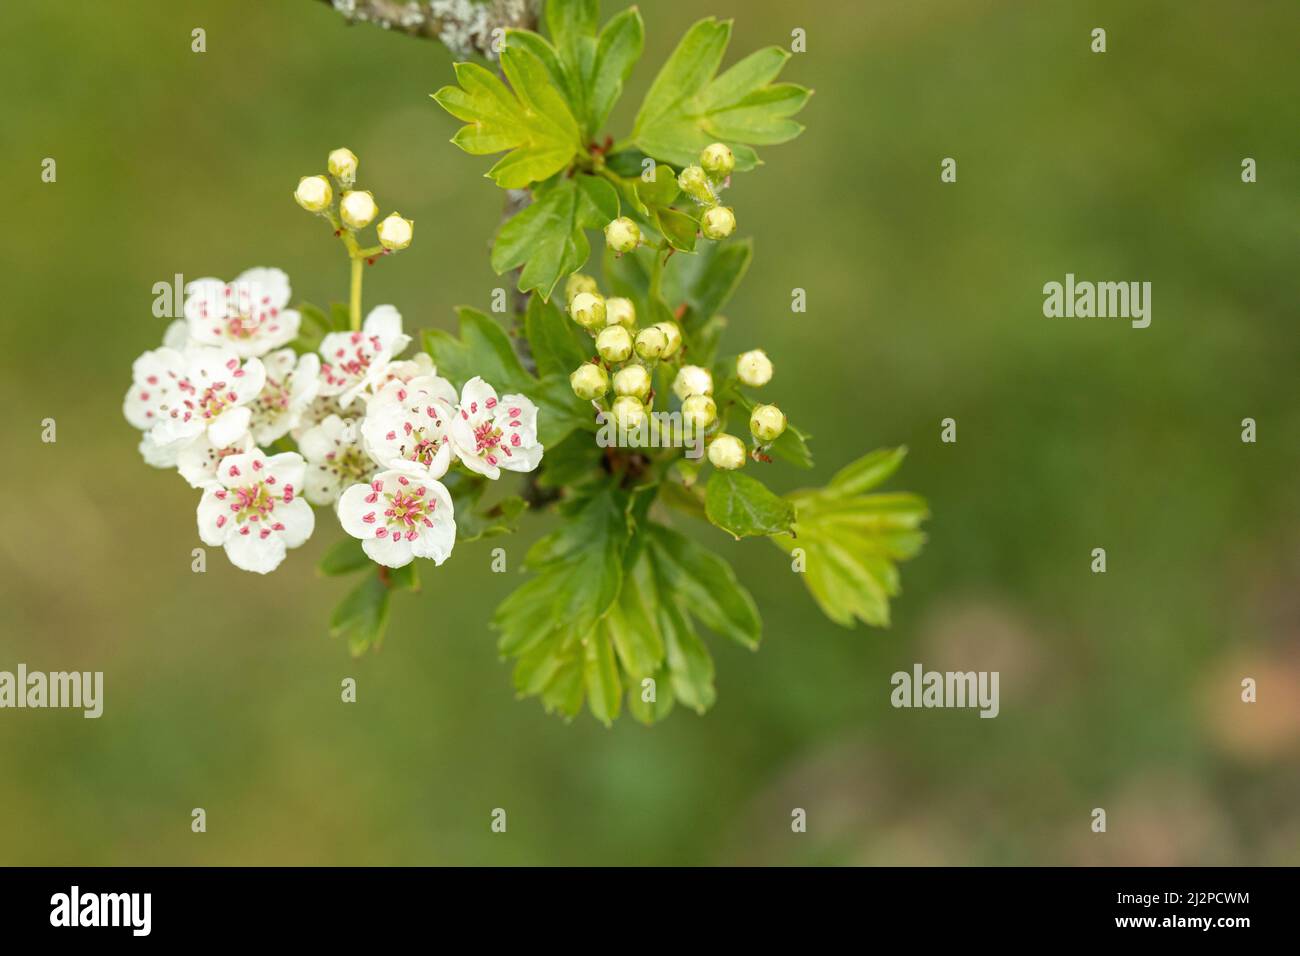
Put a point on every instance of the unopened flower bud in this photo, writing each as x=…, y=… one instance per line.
x=718, y=223
x=673, y=333
x=589, y=381
x=718, y=160
x=727, y=452
x=395, y=232
x=651, y=342
x=695, y=183
x=620, y=311
x=578, y=283
x=629, y=412
x=766, y=423
x=754, y=368
x=700, y=410
x=357, y=208
x=314, y=193
x=692, y=380
x=588, y=310
x=633, y=380
x=614, y=343
x=343, y=165
x=622, y=235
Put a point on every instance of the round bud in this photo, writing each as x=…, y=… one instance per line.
x=727, y=452
x=718, y=160
x=651, y=342
x=314, y=193
x=343, y=165
x=692, y=380
x=766, y=423
x=629, y=412
x=622, y=235
x=700, y=410
x=695, y=183
x=395, y=232
x=589, y=381
x=620, y=312
x=614, y=343
x=633, y=380
x=718, y=223
x=754, y=368
x=578, y=283
x=357, y=208
x=673, y=334
x=588, y=310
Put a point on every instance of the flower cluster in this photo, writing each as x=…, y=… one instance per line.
x=265, y=431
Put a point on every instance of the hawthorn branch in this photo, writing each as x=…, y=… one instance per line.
x=464, y=27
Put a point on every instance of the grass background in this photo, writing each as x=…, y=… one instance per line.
x=1118, y=690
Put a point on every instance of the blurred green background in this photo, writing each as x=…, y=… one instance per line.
x=1118, y=690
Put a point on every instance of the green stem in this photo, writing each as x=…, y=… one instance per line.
x=354, y=300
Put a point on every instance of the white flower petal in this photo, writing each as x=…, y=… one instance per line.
x=253, y=552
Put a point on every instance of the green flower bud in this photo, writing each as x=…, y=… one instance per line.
x=314, y=193
x=766, y=423
x=357, y=208
x=578, y=283
x=754, y=368
x=620, y=312
x=629, y=412
x=718, y=223
x=692, y=380
x=395, y=232
x=651, y=342
x=700, y=410
x=614, y=343
x=727, y=452
x=622, y=235
x=695, y=183
x=718, y=160
x=673, y=334
x=343, y=165
x=589, y=381
x=632, y=380
x=588, y=310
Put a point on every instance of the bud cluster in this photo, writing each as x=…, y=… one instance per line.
x=704, y=183
x=349, y=209
x=627, y=355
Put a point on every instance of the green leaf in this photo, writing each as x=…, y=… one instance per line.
x=706, y=585
x=559, y=345
x=344, y=557
x=617, y=51
x=791, y=446
x=851, y=542
x=742, y=506
x=548, y=238
x=484, y=349
x=613, y=601
x=362, y=616
x=688, y=107
x=707, y=281
x=529, y=118
x=579, y=573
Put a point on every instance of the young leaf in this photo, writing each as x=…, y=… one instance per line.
x=617, y=51
x=851, y=542
x=741, y=506
x=547, y=238
x=688, y=107
x=705, y=584
x=344, y=557
x=530, y=118
x=559, y=344
x=362, y=616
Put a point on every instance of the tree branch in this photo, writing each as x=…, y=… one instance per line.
x=464, y=27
